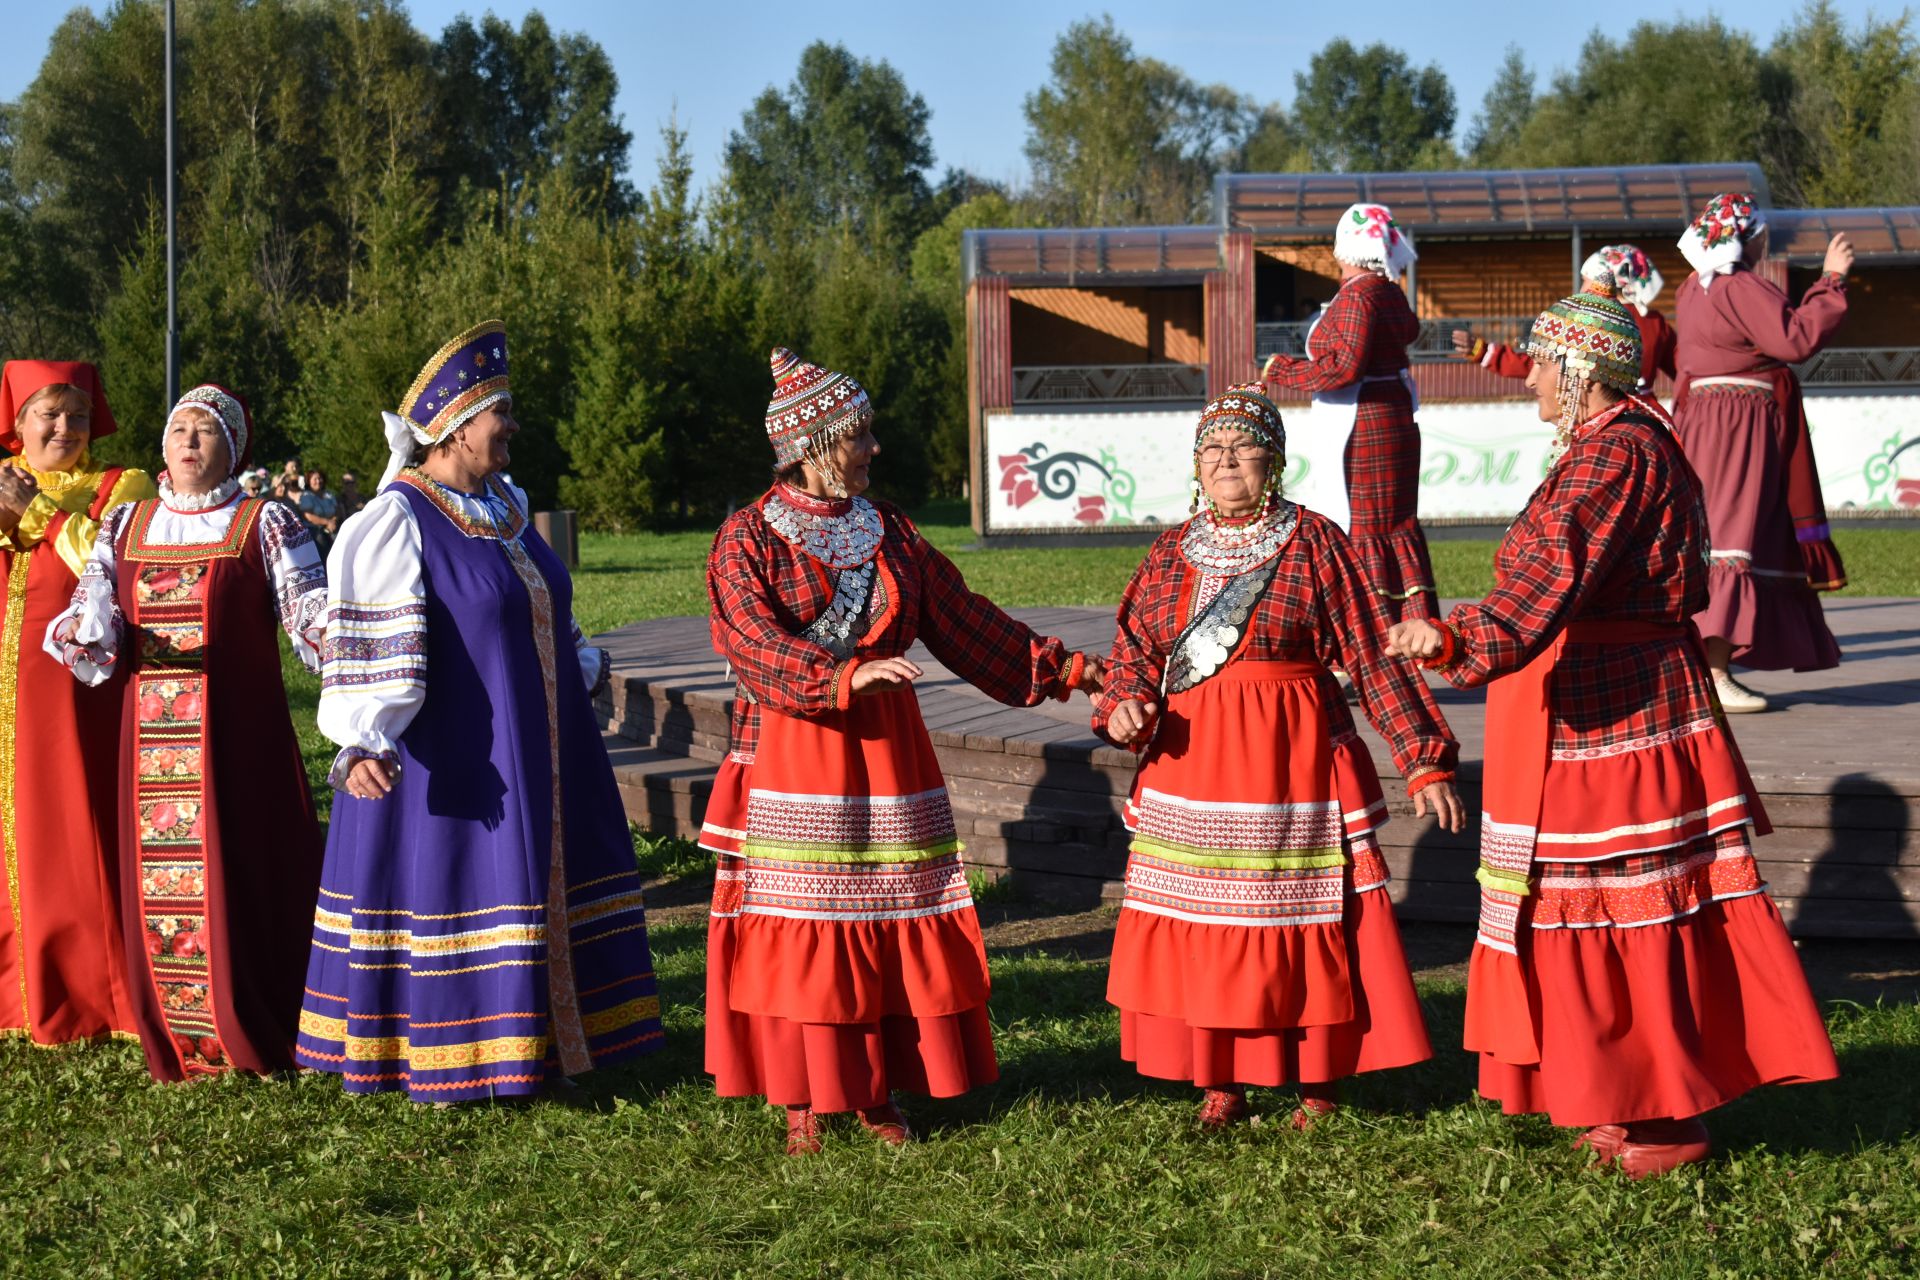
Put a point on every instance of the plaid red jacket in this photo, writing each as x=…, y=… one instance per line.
x=762, y=593
x=1616, y=532
x=1318, y=609
x=1364, y=333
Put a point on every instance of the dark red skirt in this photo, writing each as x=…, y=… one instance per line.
x=1383, y=492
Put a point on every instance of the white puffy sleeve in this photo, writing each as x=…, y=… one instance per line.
x=94, y=609
x=373, y=657
x=595, y=663
x=299, y=578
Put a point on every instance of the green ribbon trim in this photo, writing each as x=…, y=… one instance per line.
x=1311, y=859
x=885, y=854
x=1504, y=882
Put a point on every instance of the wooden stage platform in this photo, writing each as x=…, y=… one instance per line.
x=1037, y=796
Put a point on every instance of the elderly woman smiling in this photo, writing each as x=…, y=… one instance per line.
x=186, y=591
x=63, y=976
x=1255, y=943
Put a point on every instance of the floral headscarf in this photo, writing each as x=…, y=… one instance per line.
x=1715, y=241
x=1367, y=236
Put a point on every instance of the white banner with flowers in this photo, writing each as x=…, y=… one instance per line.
x=1479, y=461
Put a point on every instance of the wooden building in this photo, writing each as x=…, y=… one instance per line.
x=1091, y=349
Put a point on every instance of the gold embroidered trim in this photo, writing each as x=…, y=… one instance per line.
x=226, y=549
x=9, y=728
x=433, y=368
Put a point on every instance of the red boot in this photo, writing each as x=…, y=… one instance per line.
x=1223, y=1108
x=1317, y=1102
x=1654, y=1147
x=1604, y=1140
x=887, y=1124
x=803, y=1132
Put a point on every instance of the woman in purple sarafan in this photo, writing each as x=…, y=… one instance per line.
x=480, y=931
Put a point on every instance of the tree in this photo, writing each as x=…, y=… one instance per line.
x=1669, y=93
x=1360, y=109
x=1848, y=88
x=1504, y=110
x=1116, y=138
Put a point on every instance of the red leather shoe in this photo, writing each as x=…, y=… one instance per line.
x=1604, y=1140
x=887, y=1124
x=1312, y=1111
x=803, y=1132
x=1655, y=1147
x=1222, y=1108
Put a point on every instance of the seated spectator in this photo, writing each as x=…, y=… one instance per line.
x=319, y=508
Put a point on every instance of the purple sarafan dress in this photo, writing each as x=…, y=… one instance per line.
x=480, y=930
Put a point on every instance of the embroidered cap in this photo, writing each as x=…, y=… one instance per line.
x=463, y=377
x=231, y=412
x=1591, y=336
x=1243, y=407
x=1367, y=236
x=22, y=380
x=811, y=405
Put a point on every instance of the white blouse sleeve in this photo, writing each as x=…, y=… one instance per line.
x=94, y=609
x=373, y=658
x=299, y=580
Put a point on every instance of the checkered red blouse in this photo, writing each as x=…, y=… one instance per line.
x=1617, y=532
x=1318, y=609
x=1365, y=332
x=762, y=593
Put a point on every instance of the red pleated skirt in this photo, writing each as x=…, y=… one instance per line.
x=844, y=957
x=1256, y=944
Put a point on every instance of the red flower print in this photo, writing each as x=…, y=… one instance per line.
x=163, y=816
x=1093, y=509
x=187, y=706
x=186, y=1047
x=1907, y=492
x=1016, y=481
x=161, y=581
x=164, y=760
x=152, y=707
x=187, y=944
x=210, y=1049
x=155, y=943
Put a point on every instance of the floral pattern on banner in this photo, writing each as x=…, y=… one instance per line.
x=170, y=703
x=173, y=880
x=179, y=940
x=1037, y=472
x=168, y=583
x=162, y=763
x=169, y=822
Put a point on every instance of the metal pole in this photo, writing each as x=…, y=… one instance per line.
x=173, y=252
x=1579, y=257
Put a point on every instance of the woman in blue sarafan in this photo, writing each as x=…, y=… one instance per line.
x=480, y=931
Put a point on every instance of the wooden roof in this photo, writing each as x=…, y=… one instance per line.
x=1105, y=255
x=1881, y=237
x=1301, y=206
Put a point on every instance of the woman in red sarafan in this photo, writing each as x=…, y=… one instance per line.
x=1356, y=368
x=178, y=606
x=1637, y=282
x=62, y=974
x=844, y=959
x=1744, y=427
x=1256, y=944
x=1630, y=973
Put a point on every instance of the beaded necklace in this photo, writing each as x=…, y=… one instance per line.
x=1218, y=549
x=839, y=537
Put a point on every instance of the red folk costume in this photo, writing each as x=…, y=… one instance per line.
x=63, y=976
x=1256, y=944
x=1637, y=282
x=1744, y=426
x=844, y=958
x=1356, y=367
x=219, y=859
x=1629, y=965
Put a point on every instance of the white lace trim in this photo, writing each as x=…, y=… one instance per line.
x=197, y=501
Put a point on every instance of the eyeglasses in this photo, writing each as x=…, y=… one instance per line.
x=1212, y=454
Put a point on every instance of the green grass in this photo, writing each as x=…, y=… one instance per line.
x=1070, y=1166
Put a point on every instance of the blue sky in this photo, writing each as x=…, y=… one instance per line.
x=974, y=62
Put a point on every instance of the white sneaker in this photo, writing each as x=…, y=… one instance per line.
x=1736, y=698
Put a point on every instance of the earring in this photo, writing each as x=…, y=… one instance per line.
x=1193, y=507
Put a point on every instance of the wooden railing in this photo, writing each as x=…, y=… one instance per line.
x=1106, y=384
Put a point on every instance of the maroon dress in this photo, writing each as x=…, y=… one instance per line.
x=219, y=851
x=1739, y=435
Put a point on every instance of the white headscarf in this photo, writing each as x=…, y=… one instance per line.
x=1716, y=241
x=1366, y=236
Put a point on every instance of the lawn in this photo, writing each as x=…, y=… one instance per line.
x=1071, y=1166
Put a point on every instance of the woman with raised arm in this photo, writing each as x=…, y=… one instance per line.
x=219, y=851
x=63, y=971
x=481, y=932
x=1630, y=973
x=1356, y=367
x=1743, y=424
x=1256, y=944
x=844, y=960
